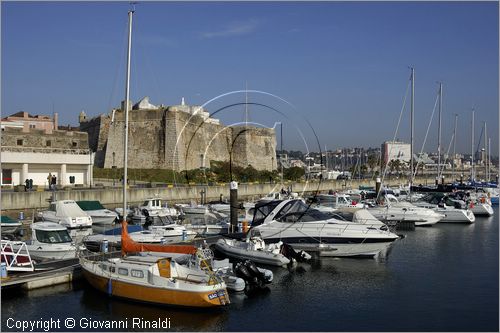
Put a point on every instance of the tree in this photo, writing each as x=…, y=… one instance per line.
x=293, y=173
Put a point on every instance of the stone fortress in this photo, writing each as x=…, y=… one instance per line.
x=178, y=137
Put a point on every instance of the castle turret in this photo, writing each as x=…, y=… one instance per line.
x=82, y=117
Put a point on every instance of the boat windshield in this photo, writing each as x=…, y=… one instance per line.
x=53, y=236
x=298, y=211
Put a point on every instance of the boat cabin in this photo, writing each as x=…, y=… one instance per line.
x=50, y=233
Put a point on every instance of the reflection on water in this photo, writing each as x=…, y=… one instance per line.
x=439, y=278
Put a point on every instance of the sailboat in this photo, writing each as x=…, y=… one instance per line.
x=153, y=279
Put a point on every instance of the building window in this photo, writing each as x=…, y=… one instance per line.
x=19, y=142
x=75, y=144
x=48, y=143
x=7, y=176
x=32, y=125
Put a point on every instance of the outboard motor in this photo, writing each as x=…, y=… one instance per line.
x=254, y=279
x=149, y=219
x=289, y=252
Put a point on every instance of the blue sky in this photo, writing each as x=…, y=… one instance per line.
x=343, y=65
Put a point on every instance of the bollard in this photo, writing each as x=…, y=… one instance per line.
x=436, y=181
x=442, y=180
x=233, y=199
x=104, y=246
x=21, y=215
x=3, y=274
x=378, y=184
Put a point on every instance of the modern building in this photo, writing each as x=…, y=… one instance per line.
x=394, y=150
x=31, y=152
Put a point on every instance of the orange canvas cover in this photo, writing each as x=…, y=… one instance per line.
x=129, y=245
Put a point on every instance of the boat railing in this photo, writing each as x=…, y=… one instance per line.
x=16, y=260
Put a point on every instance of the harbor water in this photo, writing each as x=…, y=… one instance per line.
x=439, y=278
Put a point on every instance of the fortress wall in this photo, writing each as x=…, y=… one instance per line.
x=97, y=129
x=153, y=135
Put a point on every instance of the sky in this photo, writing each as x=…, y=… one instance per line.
x=334, y=74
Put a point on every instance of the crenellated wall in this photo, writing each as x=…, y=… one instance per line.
x=172, y=138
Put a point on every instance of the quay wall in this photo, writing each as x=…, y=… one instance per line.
x=112, y=197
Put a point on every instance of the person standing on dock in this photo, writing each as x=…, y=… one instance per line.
x=49, y=180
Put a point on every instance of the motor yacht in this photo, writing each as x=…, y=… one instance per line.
x=453, y=210
x=304, y=228
x=51, y=240
x=99, y=214
x=67, y=213
x=390, y=210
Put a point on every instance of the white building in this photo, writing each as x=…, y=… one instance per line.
x=36, y=153
x=393, y=150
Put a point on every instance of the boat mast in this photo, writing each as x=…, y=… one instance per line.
x=439, y=128
x=472, y=148
x=485, y=151
x=489, y=159
x=127, y=97
x=454, y=146
x=411, y=124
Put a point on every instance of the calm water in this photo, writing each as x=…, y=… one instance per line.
x=440, y=278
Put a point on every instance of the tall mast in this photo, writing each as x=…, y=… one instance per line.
x=439, y=127
x=489, y=159
x=454, y=145
x=472, y=148
x=485, y=151
x=127, y=97
x=411, y=123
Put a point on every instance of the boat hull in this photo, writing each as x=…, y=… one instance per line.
x=151, y=294
x=259, y=257
x=482, y=209
x=341, y=249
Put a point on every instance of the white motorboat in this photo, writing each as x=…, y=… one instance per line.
x=51, y=240
x=170, y=233
x=338, y=200
x=99, y=214
x=129, y=213
x=304, y=228
x=393, y=210
x=193, y=209
x=481, y=208
x=155, y=209
x=223, y=208
x=173, y=232
x=254, y=249
x=67, y=213
x=8, y=225
x=479, y=203
x=453, y=210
